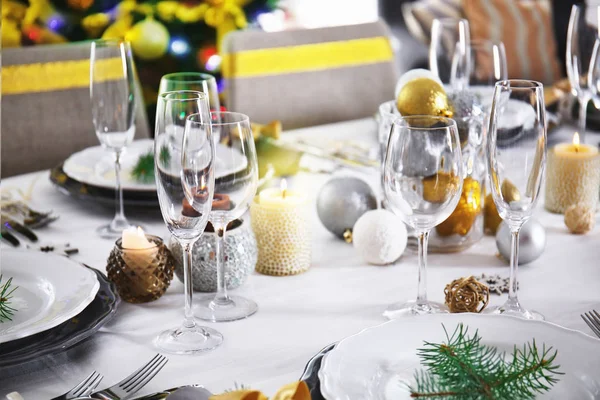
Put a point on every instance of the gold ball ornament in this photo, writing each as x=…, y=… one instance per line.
x=466, y=212
x=491, y=218
x=423, y=96
x=436, y=187
x=580, y=218
x=466, y=295
x=149, y=39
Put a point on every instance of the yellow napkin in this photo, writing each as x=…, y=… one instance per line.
x=292, y=391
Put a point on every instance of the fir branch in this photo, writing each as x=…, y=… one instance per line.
x=464, y=368
x=165, y=156
x=143, y=171
x=6, y=291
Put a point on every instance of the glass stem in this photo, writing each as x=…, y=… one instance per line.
x=514, y=264
x=583, y=103
x=221, y=298
x=119, y=212
x=422, y=238
x=187, y=246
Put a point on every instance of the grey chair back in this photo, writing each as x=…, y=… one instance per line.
x=309, y=77
x=46, y=109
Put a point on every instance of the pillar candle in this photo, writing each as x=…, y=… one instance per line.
x=573, y=176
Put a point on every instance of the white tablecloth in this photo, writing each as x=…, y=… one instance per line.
x=298, y=315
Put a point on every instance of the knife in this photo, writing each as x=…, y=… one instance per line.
x=169, y=393
x=18, y=227
x=9, y=237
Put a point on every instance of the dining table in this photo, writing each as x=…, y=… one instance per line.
x=338, y=296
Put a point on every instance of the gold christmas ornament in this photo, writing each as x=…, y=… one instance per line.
x=466, y=295
x=580, y=218
x=466, y=212
x=436, y=187
x=509, y=191
x=423, y=96
x=149, y=39
x=491, y=218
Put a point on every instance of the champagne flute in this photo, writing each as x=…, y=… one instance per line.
x=235, y=185
x=112, y=95
x=516, y=152
x=581, y=35
x=448, y=51
x=184, y=160
x=423, y=178
x=594, y=74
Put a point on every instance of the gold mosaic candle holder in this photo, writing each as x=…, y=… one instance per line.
x=283, y=238
x=141, y=275
x=573, y=177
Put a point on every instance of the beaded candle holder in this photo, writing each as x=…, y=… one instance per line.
x=281, y=226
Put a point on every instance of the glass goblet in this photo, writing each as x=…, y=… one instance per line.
x=423, y=178
x=448, y=50
x=184, y=159
x=516, y=153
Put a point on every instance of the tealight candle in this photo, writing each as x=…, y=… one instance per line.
x=281, y=226
x=573, y=176
x=140, y=266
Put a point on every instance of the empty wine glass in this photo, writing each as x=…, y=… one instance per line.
x=487, y=65
x=516, y=152
x=235, y=186
x=423, y=178
x=112, y=95
x=594, y=74
x=184, y=160
x=448, y=50
x=581, y=35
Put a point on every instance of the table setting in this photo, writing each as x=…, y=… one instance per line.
x=446, y=247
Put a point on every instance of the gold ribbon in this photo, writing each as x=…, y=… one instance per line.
x=308, y=57
x=59, y=75
x=291, y=391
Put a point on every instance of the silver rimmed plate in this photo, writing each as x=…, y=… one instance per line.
x=51, y=290
x=379, y=362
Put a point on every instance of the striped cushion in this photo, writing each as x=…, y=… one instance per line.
x=525, y=27
x=419, y=15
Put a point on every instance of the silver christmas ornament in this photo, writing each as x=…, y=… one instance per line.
x=342, y=201
x=240, y=257
x=532, y=241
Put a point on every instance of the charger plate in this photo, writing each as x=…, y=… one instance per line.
x=379, y=362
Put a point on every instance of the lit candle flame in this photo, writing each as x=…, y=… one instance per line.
x=576, y=141
x=283, y=187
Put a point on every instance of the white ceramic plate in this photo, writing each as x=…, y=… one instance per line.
x=51, y=289
x=95, y=165
x=378, y=362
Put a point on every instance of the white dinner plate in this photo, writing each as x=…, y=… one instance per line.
x=95, y=166
x=379, y=362
x=50, y=290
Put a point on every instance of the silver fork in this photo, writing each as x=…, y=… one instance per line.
x=84, y=388
x=134, y=382
x=592, y=318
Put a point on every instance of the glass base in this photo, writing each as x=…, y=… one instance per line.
x=115, y=229
x=197, y=339
x=234, y=308
x=398, y=310
x=514, y=312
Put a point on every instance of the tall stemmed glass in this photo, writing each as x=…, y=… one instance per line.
x=581, y=35
x=112, y=95
x=449, y=43
x=516, y=152
x=235, y=186
x=185, y=160
x=423, y=178
x=594, y=73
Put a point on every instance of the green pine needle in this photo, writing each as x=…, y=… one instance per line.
x=143, y=171
x=464, y=368
x=6, y=291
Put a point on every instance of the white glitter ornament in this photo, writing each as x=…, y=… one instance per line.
x=379, y=237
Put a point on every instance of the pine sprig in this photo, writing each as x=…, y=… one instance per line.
x=143, y=171
x=463, y=368
x=6, y=291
